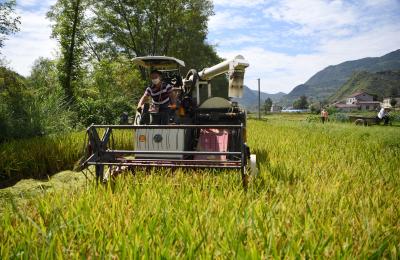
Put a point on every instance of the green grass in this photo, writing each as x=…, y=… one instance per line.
x=324, y=191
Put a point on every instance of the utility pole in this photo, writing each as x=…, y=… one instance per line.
x=259, y=100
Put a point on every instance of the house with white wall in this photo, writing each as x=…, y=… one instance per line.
x=359, y=96
x=275, y=108
x=358, y=101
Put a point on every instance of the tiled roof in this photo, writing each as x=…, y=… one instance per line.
x=358, y=94
x=346, y=106
x=368, y=102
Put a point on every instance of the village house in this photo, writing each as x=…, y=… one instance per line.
x=276, y=108
x=358, y=101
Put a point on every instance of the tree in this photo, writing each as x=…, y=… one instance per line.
x=315, y=107
x=112, y=91
x=267, y=105
x=393, y=102
x=301, y=103
x=8, y=21
x=16, y=107
x=393, y=91
x=157, y=27
x=68, y=16
x=117, y=77
x=44, y=77
x=48, y=98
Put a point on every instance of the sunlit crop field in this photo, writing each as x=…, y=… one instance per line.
x=328, y=190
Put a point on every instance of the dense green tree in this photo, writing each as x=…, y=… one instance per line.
x=16, y=107
x=9, y=22
x=28, y=107
x=68, y=29
x=315, y=107
x=53, y=113
x=44, y=77
x=117, y=77
x=157, y=27
x=393, y=102
x=301, y=103
x=113, y=89
x=267, y=105
x=394, y=91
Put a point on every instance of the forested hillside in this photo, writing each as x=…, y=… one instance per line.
x=380, y=84
x=326, y=82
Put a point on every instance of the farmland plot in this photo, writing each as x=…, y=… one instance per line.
x=323, y=191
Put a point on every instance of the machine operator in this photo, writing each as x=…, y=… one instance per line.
x=163, y=99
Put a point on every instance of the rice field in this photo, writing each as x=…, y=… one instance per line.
x=41, y=157
x=324, y=191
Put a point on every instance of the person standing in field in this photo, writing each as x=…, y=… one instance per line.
x=383, y=115
x=324, y=115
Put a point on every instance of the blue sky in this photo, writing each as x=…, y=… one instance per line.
x=286, y=41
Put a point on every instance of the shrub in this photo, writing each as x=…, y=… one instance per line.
x=339, y=117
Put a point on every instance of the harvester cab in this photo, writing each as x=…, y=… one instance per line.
x=203, y=131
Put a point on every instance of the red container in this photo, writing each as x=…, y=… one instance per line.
x=212, y=140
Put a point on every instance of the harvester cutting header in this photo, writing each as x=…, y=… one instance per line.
x=185, y=125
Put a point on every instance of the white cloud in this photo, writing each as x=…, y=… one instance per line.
x=32, y=42
x=278, y=71
x=336, y=18
x=379, y=3
x=34, y=3
x=228, y=20
x=238, y=3
x=282, y=72
x=309, y=35
x=315, y=16
x=375, y=42
x=239, y=40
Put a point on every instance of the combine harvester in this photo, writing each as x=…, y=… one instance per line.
x=204, y=131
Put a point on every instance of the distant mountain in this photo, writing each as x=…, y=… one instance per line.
x=250, y=98
x=326, y=82
x=380, y=84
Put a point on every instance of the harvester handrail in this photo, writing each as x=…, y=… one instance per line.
x=167, y=126
x=171, y=152
x=168, y=165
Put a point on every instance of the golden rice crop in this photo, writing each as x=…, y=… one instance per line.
x=323, y=191
x=41, y=157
